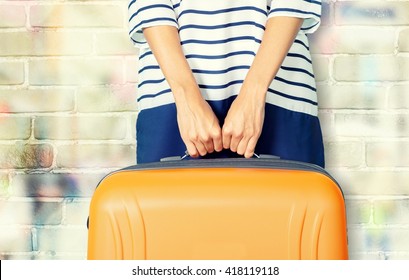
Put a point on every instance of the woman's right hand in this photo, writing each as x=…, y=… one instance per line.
x=198, y=125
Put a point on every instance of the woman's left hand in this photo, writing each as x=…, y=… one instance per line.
x=244, y=121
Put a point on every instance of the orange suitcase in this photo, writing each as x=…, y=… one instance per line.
x=250, y=209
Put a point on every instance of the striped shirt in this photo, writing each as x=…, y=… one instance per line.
x=220, y=39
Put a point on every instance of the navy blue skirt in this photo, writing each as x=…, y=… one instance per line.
x=287, y=134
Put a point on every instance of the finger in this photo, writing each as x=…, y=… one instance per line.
x=242, y=146
x=234, y=142
x=191, y=149
x=200, y=148
x=226, y=138
x=251, y=146
x=208, y=144
x=217, y=142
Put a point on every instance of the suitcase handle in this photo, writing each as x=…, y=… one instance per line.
x=265, y=156
x=186, y=155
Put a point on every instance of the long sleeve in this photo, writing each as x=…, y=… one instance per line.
x=310, y=10
x=146, y=13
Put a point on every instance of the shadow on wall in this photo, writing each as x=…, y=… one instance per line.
x=42, y=217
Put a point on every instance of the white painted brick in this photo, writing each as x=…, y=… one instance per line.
x=26, y=156
x=11, y=73
x=124, y=98
x=45, y=43
x=392, y=211
x=327, y=124
x=15, y=239
x=4, y=185
x=403, y=256
x=75, y=71
x=132, y=70
x=372, y=13
x=321, y=67
x=17, y=256
x=133, y=124
x=55, y=184
x=381, y=239
x=32, y=100
x=398, y=97
x=114, y=43
x=327, y=17
x=61, y=256
x=15, y=128
x=76, y=15
x=12, y=16
x=62, y=239
x=366, y=256
x=353, y=40
x=371, y=68
x=47, y=256
x=80, y=127
x=348, y=154
x=77, y=213
x=103, y=99
x=388, y=154
x=379, y=124
x=351, y=96
x=359, y=241
x=358, y=211
x=372, y=182
x=404, y=40
x=93, y=156
x=30, y=213
x=94, y=99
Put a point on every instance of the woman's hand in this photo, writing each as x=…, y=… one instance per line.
x=198, y=125
x=244, y=121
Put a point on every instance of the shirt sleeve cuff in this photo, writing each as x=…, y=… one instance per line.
x=147, y=13
x=309, y=10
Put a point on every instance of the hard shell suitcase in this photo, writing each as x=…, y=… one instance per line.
x=250, y=209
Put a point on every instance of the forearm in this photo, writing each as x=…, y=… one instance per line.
x=198, y=125
x=165, y=44
x=278, y=37
x=244, y=121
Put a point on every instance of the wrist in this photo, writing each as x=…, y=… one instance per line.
x=187, y=90
x=254, y=87
x=188, y=98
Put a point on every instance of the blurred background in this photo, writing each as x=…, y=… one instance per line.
x=68, y=75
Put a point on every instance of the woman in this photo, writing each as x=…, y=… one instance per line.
x=217, y=78
x=229, y=76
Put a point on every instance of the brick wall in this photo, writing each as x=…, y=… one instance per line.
x=362, y=63
x=67, y=115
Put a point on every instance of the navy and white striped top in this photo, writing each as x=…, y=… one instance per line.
x=220, y=39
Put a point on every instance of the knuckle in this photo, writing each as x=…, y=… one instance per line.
x=216, y=134
x=205, y=138
x=250, y=131
x=193, y=137
x=227, y=130
x=257, y=131
x=237, y=134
